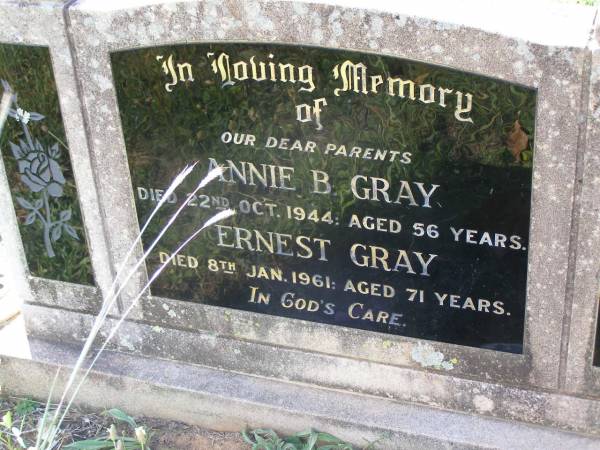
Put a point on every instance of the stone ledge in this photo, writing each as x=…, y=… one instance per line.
x=428, y=389
x=227, y=401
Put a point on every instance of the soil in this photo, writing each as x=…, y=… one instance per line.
x=179, y=436
x=80, y=425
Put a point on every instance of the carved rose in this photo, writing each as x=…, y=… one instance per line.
x=39, y=170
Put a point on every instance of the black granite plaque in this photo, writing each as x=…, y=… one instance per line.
x=36, y=157
x=372, y=192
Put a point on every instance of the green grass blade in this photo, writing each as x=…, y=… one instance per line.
x=122, y=417
x=90, y=444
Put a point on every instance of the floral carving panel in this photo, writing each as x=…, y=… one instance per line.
x=36, y=157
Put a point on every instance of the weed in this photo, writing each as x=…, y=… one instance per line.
x=113, y=440
x=15, y=424
x=25, y=407
x=51, y=421
x=266, y=439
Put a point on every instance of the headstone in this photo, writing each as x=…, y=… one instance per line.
x=517, y=199
x=417, y=213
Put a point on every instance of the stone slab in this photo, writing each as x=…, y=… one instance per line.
x=420, y=387
x=227, y=401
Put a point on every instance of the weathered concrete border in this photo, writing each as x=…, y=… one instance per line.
x=351, y=375
x=582, y=377
x=228, y=401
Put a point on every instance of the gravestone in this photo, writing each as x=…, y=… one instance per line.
x=416, y=215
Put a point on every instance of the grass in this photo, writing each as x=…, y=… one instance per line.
x=26, y=414
x=267, y=439
x=85, y=430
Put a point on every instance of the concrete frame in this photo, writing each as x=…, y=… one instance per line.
x=582, y=376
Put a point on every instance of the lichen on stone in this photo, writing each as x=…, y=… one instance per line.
x=426, y=356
